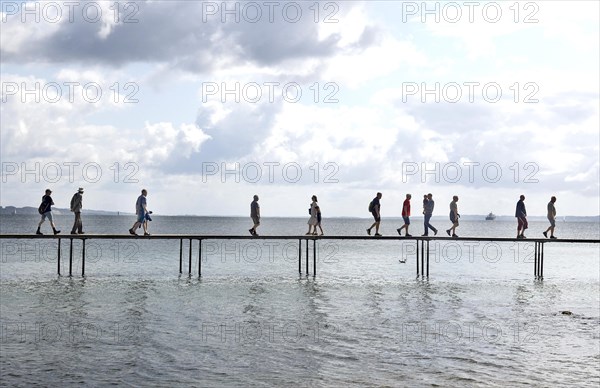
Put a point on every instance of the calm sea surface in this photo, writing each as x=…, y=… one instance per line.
x=481, y=319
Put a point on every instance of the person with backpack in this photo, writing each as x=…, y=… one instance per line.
x=375, y=208
x=45, y=210
x=76, y=205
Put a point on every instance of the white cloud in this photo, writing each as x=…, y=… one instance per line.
x=368, y=134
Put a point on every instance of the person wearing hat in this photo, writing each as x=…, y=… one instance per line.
x=45, y=210
x=76, y=205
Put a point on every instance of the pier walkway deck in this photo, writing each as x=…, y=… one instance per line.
x=422, y=268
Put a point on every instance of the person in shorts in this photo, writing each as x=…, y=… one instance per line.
x=141, y=210
x=454, y=216
x=375, y=211
x=405, y=216
x=46, y=212
x=255, y=215
x=551, y=218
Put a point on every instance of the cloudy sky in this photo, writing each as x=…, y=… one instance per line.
x=207, y=103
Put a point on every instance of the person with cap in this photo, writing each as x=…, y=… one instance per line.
x=76, y=205
x=521, y=215
x=45, y=210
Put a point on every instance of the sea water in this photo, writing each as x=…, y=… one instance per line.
x=252, y=320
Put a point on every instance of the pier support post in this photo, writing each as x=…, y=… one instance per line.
x=190, y=259
x=71, y=257
x=314, y=257
x=427, y=258
x=299, y=256
x=180, y=255
x=417, y=242
x=535, y=259
x=58, y=261
x=200, y=258
x=542, y=260
x=422, y=258
x=306, y=257
x=83, y=259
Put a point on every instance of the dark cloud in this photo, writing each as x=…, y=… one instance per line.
x=175, y=32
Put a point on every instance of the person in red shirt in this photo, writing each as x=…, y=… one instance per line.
x=405, y=216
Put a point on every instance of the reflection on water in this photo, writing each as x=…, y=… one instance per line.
x=364, y=320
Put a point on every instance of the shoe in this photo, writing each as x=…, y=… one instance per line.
x=146, y=234
x=378, y=235
x=424, y=235
x=56, y=232
x=81, y=233
x=255, y=234
x=398, y=230
x=454, y=235
x=545, y=234
x=39, y=233
x=252, y=232
x=369, y=232
x=435, y=232
x=553, y=237
x=73, y=232
x=519, y=236
x=321, y=234
x=408, y=235
x=315, y=234
x=131, y=231
x=307, y=234
x=448, y=231
x=523, y=236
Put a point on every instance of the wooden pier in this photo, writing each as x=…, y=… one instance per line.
x=422, y=259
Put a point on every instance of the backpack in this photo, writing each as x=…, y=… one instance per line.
x=371, y=207
x=43, y=207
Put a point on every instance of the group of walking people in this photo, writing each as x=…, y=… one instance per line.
x=428, y=205
x=314, y=222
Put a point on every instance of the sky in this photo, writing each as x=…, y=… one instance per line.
x=205, y=104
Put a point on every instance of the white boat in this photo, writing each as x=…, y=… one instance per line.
x=490, y=217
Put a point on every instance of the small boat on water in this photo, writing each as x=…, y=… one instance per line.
x=490, y=217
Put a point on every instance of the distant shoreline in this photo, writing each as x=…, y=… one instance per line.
x=20, y=211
